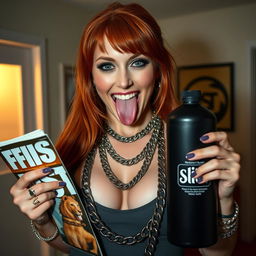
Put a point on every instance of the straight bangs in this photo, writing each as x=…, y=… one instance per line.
x=127, y=34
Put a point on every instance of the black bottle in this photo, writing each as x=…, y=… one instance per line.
x=191, y=206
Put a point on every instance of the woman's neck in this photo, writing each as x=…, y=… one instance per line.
x=127, y=131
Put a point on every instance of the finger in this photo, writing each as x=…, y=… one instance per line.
x=39, y=188
x=207, y=152
x=29, y=177
x=213, y=152
x=220, y=138
x=43, y=187
x=42, y=199
x=215, y=164
x=227, y=176
x=37, y=212
x=32, y=192
x=36, y=201
x=28, y=206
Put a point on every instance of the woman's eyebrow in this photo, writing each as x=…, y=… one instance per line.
x=107, y=58
x=136, y=56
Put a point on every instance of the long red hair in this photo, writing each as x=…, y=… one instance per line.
x=128, y=28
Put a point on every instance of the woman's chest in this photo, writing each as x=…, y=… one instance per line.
x=142, y=191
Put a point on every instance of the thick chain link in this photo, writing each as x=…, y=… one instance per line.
x=151, y=229
x=151, y=143
x=149, y=153
x=135, y=137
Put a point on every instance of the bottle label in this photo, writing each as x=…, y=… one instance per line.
x=188, y=184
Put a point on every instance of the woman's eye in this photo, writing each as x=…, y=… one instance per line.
x=139, y=63
x=105, y=66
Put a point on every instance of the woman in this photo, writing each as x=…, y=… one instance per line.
x=124, y=88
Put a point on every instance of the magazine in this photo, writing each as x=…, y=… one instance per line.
x=35, y=150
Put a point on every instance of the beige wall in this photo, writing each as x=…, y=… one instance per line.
x=215, y=37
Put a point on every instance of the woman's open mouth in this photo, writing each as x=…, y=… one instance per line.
x=126, y=106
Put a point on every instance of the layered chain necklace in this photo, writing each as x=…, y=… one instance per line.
x=147, y=154
x=151, y=229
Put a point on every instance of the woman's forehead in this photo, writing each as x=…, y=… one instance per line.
x=112, y=53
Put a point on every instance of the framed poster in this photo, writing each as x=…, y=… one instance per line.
x=216, y=82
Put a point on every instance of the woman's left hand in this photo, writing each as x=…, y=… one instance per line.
x=223, y=166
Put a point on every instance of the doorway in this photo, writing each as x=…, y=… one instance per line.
x=23, y=108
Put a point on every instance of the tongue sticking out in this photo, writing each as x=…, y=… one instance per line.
x=127, y=110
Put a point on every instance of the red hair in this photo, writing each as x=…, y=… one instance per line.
x=128, y=28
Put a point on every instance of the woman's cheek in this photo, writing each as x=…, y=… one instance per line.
x=102, y=83
x=146, y=79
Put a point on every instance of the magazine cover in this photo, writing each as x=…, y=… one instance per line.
x=35, y=150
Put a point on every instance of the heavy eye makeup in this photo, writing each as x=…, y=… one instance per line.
x=106, y=66
x=135, y=63
x=139, y=62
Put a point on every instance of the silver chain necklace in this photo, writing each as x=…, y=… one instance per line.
x=149, y=153
x=152, y=142
x=151, y=229
x=135, y=137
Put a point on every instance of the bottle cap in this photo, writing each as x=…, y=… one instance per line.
x=192, y=96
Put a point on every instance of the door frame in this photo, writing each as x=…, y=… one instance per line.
x=37, y=45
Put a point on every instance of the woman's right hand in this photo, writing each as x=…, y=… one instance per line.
x=35, y=206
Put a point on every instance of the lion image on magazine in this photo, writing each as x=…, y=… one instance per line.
x=74, y=227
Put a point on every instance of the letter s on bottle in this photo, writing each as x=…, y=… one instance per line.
x=183, y=176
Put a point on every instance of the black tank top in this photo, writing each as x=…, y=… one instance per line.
x=130, y=222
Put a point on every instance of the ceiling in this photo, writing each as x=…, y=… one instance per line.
x=164, y=8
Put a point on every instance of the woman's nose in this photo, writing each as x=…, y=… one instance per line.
x=125, y=80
